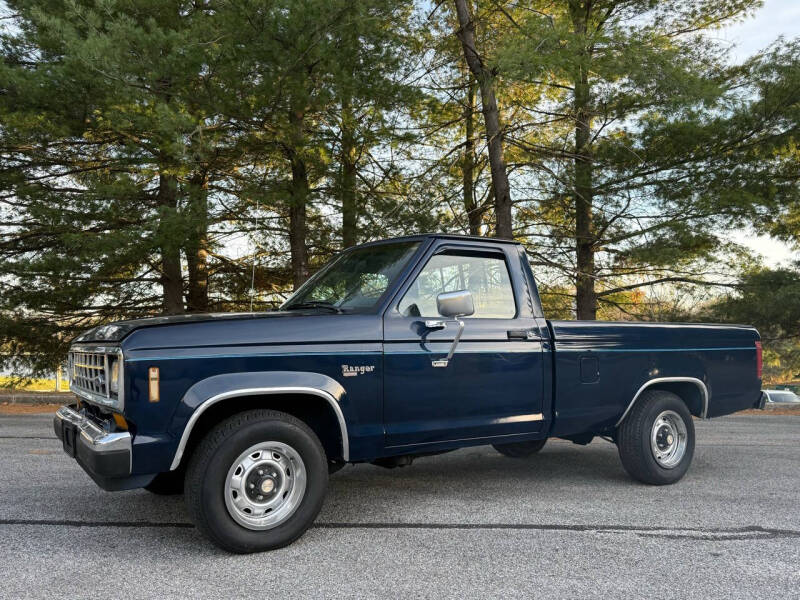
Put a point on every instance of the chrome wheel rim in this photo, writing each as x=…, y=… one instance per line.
x=265, y=485
x=668, y=439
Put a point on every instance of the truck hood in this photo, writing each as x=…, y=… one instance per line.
x=115, y=332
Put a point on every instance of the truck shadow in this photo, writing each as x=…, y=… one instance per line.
x=469, y=479
x=557, y=461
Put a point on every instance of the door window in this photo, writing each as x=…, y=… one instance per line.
x=486, y=277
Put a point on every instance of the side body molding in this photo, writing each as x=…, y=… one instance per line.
x=694, y=380
x=207, y=392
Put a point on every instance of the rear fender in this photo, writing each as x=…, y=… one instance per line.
x=696, y=398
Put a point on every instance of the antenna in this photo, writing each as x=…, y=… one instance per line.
x=253, y=273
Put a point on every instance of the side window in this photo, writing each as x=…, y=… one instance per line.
x=485, y=276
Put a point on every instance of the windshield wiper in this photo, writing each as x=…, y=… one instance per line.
x=315, y=304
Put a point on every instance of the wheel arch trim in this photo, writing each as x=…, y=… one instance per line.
x=330, y=391
x=704, y=395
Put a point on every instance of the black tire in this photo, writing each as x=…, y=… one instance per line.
x=520, y=449
x=634, y=438
x=167, y=484
x=208, y=470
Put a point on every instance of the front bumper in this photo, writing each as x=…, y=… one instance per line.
x=105, y=456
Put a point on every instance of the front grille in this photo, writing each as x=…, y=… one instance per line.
x=89, y=371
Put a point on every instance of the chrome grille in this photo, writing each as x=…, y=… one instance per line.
x=89, y=369
x=89, y=372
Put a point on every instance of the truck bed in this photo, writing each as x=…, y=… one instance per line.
x=599, y=367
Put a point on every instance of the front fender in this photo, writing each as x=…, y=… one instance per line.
x=207, y=392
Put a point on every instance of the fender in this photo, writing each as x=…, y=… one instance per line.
x=701, y=386
x=207, y=392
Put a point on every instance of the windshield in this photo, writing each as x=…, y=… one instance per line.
x=356, y=280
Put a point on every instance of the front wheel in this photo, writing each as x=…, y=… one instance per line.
x=257, y=481
x=656, y=439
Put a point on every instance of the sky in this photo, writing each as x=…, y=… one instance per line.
x=776, y=18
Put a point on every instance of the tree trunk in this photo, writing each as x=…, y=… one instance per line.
x=348, y=180
x=491, y=117
x=585, y=298
x=468, y=164
x=171, y=275
x=196, y=247
x=298, y=199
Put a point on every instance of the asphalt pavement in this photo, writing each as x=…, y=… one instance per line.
x=567, y=523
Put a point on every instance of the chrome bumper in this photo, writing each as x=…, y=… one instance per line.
x=105, y=456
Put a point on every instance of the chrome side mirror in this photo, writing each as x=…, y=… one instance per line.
x=453, y=305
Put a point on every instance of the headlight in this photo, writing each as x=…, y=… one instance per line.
x=113, y=383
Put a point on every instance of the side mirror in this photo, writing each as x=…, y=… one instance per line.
x=455, y=304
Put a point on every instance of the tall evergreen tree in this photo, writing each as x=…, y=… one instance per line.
x=374, y=99
x=485, y=75
x=645, y=119
x=107, y=154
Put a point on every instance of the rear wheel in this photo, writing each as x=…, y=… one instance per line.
x=520, y=449
x=656, y=439
x=257, y=481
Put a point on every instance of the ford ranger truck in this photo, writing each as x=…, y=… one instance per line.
x=396, y=349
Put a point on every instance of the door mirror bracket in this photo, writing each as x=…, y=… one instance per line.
x=453, y=305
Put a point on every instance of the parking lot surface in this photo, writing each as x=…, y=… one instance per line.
x=567, y=523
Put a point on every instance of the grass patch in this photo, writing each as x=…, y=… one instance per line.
x=30, y=385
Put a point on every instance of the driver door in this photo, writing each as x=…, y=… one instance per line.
x=493, y=386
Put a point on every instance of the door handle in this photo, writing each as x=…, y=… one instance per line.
x=522, y=334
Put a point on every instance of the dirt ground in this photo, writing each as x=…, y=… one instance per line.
x=27, y=409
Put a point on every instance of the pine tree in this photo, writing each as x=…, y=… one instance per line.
x=644, y=122
x=107, y=157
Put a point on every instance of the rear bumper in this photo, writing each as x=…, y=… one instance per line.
x=106, y=456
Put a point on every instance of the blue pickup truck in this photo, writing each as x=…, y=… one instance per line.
x=394, y=350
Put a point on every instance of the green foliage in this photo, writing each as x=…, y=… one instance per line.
x=153, y=152
x=770, y=300
x=681, y=145
x=141, y=141
x=103, y=131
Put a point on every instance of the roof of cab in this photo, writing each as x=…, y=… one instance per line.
x=443, y=236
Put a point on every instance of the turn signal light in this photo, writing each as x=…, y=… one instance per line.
x=759, y=360
x=120, y=421
x=152, y=377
